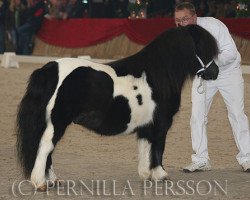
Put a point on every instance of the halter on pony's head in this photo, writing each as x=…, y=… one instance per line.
x=209, y=71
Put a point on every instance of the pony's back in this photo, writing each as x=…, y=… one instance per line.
x=175, y=48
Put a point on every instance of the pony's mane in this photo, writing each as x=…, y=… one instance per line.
x=170, y=58
x=205, y=44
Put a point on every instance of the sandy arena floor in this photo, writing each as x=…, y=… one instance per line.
x=110, y=163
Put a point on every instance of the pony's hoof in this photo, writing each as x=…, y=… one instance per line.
x=166, y=178
x=160, y=174
x=145, y=174
x=55, y=183
x=58, y=183
x=42, y=188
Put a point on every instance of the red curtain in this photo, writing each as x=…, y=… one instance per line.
x=76, y=33
x=239, y=27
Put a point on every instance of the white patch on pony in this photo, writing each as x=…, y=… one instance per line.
x=45, y=147
x=159, y=173
x=144, y=148
x=140, y=114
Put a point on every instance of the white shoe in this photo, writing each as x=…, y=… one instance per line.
x=246, y=166
x=197, y=166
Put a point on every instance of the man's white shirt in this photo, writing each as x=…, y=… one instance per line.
x=229, y=57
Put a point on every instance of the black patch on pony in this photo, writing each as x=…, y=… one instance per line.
x=86, y=97
x=139, y=99
x=117, y=117
x=135, y=87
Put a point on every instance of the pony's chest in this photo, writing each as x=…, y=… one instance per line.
x=139, y=96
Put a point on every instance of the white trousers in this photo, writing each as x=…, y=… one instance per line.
x=231, y=87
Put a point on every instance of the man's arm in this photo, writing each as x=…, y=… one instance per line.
x=227, y=48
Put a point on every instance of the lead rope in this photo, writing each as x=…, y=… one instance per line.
x=203, y=85
x=202, y=81
x=203, y=91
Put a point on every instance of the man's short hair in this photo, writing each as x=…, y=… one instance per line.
x=185, y=5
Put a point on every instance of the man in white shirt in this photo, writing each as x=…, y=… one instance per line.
x=229, y=83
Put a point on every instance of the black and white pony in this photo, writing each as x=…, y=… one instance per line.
x=140, y=93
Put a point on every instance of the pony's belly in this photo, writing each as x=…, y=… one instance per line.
x=122, y=117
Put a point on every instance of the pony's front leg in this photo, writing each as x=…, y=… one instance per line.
x=157, y=149
x=151, y=147
x=144, y=148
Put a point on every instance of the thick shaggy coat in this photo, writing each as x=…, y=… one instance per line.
x=140, y=93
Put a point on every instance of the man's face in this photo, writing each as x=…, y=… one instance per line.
x=184, y=17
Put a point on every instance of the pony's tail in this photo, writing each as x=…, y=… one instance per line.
x=31, y=117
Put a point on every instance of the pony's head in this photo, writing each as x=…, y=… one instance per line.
x=182, y=50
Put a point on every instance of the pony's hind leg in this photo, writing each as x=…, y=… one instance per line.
x=59, y=130
x=43, y=169
x=50, y=175
x=45, y=147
